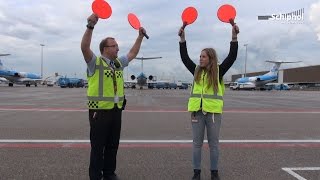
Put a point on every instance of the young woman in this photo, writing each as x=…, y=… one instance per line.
x=206, y=100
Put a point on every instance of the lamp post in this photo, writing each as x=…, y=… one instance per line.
x=41, y=60
x=245, y=61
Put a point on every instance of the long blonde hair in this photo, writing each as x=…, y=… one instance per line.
x=211, y=69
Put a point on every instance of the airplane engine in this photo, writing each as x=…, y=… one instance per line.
x=133, y=77
x=258, y=79
x=20, y=75
x=150, y=77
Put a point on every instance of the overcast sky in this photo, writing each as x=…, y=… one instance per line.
x=60, y=26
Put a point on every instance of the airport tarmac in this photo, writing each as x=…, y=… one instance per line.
x=265, y=135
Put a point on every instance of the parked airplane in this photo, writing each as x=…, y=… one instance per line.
x=18, y=77
x=142, y=78
x=261, y=80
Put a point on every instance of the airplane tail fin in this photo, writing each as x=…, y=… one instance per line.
x=275, y=68
x=1, y=65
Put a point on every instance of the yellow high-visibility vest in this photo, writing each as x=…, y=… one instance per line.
x=101, y=89
x=211, y=101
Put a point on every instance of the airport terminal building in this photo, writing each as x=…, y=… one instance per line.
x=309, y=75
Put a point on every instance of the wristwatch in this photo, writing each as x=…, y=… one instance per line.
x=90, y=26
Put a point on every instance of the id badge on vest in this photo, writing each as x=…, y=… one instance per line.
x=116, y=99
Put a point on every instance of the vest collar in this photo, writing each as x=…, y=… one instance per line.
x=105, y=59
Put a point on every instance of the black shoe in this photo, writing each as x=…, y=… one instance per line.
x=214, y=175
x=196, y=175
x=111, y=177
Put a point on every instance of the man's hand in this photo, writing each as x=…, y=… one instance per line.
x=142, y=31
x=92, y=20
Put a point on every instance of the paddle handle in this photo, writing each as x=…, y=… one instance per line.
x=183, y=26
x=232, y=23
x=145, y=35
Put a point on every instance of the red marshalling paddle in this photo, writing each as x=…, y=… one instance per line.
x=135, y=23
x=227, y=13
x=101, y=8
x=189, y=15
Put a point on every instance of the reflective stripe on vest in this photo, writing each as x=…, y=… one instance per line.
x=100, y=93
x=211, y=101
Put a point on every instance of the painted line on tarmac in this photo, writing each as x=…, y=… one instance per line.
x=45, y=109
x=154, y=141
x=274, y=111
x=87, y=145
x=296, y=175
x=32, y=143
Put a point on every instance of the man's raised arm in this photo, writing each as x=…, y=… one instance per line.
x=86, y=39
x=136, y=46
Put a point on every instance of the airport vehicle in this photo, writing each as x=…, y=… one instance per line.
x=50, y=83
x=18, y=77
x=277, y=86
x=242, y=86
x=260, y=81
x=173, y=86
x=183, y=86
x=152, y=85
x=142, y=78
x=64, y=82
x=281, y=87
x=233, y=86
x=162, y=85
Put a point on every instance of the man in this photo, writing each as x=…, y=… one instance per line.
x=106, y=99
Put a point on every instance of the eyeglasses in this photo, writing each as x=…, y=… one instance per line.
x=116, y=45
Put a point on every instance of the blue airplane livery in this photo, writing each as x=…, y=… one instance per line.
x=16, y=77
x=262, y=80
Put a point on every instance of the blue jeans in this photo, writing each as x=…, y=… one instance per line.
x=213, y=129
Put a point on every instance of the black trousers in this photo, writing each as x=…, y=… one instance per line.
x=105, y=128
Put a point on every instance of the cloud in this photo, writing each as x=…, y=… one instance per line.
x=314, y=17
x=27, y=24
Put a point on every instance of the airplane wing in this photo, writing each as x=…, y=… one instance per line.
x=143, y=58
x=132, y=81
x=3, y=79
x=28, y=80
x=283, y=61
